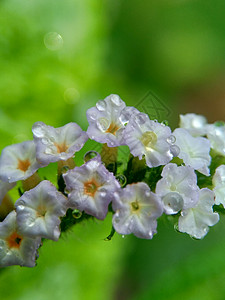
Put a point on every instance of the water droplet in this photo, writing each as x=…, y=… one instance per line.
x=20, y=207
x=103, y=124
x=184, y=213
x=123, y=236
x=171, y=139
x=45, y=141
x=176, y=227
x=101, y=105
x=65, y=169
x=102, y=194
x=165, y=123
x=76, y=213
x=141, y=119
x=38, y=129
x=122, y=179
x=67, y=191
x=173, y=202
x=175, y=150
x=31, y=224
x=117, y=220
x=90, y=155
x=116, y=100
x=71, y=96
x=150, y=234
x=9, y=177
x=155, y=120
x=53, y=41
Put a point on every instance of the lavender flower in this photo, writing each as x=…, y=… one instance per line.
x=55, y=144
x=18, y=162
x=178, y=188
x=91, y=188
x=16, y=248
x=136, y=210
x=149, y=139
x=39, y=209
x=108, y=119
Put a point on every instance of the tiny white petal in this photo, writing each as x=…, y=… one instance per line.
x=196, y=221
x=193, y=150
x=39, y=209
x=148, y=138
x=16, y=248
x=91, y=188
x=108, y=119
x=54, y=144
x=181, y=180
x=18, y=162
x=195, y=124
x=136, y=211
x=219, y=185
x=216, y=136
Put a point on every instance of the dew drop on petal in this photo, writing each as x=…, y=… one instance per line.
x=141, y=119
x=147, y=193
x=184, y=213
x=101, y=105
x=89, y=155
x=53, y=41
x=103, y=124
x=45, y=141
x=116, y=100
x=117, y=220
x=171, y=139
x=122, y=179
x=173, y=202
x=175, y=150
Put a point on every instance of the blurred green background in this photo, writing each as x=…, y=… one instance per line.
x=58, y=58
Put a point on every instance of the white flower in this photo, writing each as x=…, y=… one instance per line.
x=108, y=119
x=150, y=139
x=39, y=209
x=216, y=136
x=178, y=188
x=219, y=185
x=16, y=248
x=136, y=210
x=195, y=124
x=193, y=150
x=4, y=188
x=54, y=144
x=91, y=188
x=18, y=162
x=196, y=221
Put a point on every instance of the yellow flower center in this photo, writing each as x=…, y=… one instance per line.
x=135, y=207
x=148, y=139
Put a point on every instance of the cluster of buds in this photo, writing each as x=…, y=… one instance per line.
x=179, y=173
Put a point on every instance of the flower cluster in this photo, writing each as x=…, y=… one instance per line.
x=179, y=173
